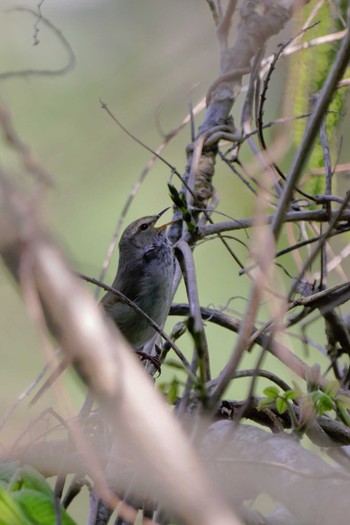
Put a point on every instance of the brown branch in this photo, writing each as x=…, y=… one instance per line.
x=225, y=23
x=323, y=238
x=293, y=216
x=280, y=351
x=195, y=324
x=259, y=21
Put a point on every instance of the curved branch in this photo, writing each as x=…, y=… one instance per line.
x=6, y=75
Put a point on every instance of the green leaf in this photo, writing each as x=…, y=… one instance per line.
x=32, y=479
x=39, y=508
x=281, y=405
x=26, y=498
x=178, y=200
x=10, y=512
x=322, y=402
x=271, y=392
x=325, y=404
x=290, y=394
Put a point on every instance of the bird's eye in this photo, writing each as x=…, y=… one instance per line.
x=144, y=226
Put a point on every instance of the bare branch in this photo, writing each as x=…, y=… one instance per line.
x=195, y=324
x=293, y=216
x=43, y=72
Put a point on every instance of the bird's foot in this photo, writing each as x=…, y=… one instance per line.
x=152, y=358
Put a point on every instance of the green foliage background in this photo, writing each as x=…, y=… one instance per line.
x=308, y=73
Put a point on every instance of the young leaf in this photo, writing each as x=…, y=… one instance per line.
x=271, y=392
x=281, y=405
x=32, y=479
x=290, y=394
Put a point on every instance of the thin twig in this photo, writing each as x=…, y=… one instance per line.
x=43, y=72
x=134, y=306
x=323, y=239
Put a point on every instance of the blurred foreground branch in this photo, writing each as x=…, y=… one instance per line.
x=141, y=421
x=241, y=460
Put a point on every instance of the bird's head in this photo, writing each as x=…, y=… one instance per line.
x=143, y=232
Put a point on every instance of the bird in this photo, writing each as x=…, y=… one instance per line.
x=144, y=275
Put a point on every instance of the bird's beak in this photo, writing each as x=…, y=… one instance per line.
x=162, y=212
x=164, y=226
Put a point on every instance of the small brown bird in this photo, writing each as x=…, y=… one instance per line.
x=145, y=274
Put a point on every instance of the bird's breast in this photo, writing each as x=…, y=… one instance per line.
x=146, y=280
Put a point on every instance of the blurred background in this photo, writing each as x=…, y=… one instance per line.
x=144, y=60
